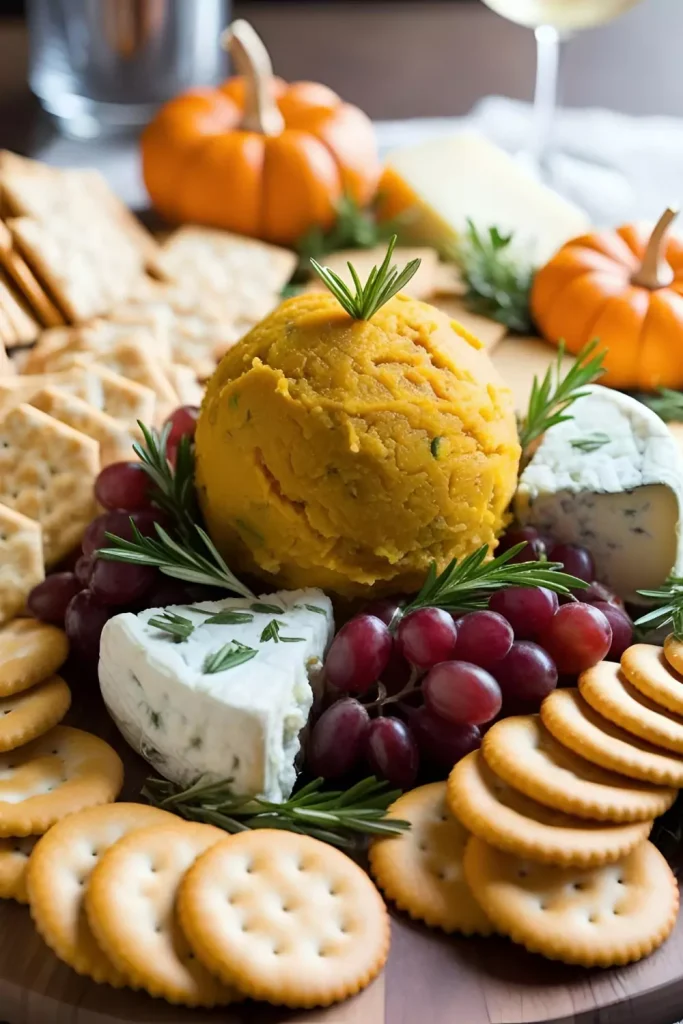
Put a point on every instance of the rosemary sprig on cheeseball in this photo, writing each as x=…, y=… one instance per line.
x=382, y=284
x=339, y=817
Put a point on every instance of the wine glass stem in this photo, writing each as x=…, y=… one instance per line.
x=548, y=52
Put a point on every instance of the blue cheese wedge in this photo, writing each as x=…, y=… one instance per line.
x=611, y=480
x=225, y=699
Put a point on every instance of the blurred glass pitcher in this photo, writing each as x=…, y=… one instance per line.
x=106, y=65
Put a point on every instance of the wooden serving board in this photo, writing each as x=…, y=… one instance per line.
x=430, y=976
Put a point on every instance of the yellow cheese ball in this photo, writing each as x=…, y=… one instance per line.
x=349, y=455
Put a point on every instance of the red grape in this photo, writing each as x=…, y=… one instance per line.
x=526, y=674
x=426, y=637
x=439, y=742
x=577, y=637
x=386, y=608
x=527, y=535
x=577, y=561
x=123, y=485
x=167, y=591
x=358, y=654
x=527, y=609
x=120, y=582
x=596, y=593
x=48, y=600
x=118, y=523
x=183, y=424
x=83, y=569
x=338, y=739
x=622, y=629
x=397, y=673
x=462, y=693
x=84, y=621
x=391, y=751
x=483, y=638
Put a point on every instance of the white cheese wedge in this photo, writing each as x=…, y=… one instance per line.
x=242, y=723
x=447, y=180
x=623, y=499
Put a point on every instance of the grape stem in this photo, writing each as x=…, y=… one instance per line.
x=394, y=698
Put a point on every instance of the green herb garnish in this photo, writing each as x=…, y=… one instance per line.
x=435, y=446
x=498, y=281
x=272, y=632
x=314, y=608
x=669, y=610
x=382, y=284
x=228, y=618
x=591, y=442
x=468, y=584
x=552, y=396
x=178, y=626
x=339, y=817
x=355, y=227
x=267, y=609
x=228, y=656
x=667, y=404
x=174, y=491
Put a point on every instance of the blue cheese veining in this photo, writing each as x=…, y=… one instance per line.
x=242, y=723
x=611, y=480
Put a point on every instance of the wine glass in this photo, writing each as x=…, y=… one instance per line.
x=553, y=22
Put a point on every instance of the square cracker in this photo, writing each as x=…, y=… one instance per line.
x=87, y=268
x=21, y=561
x=123, y=399
x=131, y=359
x=421, y=286
x=26, y=282
x=19, y=388
x=24, y=325
x=48, y=472
x=114, y=439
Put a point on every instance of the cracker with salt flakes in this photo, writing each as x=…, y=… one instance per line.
x=21, y=560
x=114, y=439
x=132, y=359
x=219, y=258
x=124, y=400
x=47, y=472
x=78, y=381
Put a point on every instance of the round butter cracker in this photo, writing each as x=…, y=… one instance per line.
x=57, y=774
x=31, y=713
x=597, y=917
x=646, y=668
x=511, y=821
x=521, y=751
x=673, y=652
x=30, y=652
x=14, y=856
x=608, y=691
x=58, y=873
x=130, y=903
x=285, y=918
x=580, y=727
x=421, y=870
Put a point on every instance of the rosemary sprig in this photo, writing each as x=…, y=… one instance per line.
x=498, y=281
x=382, y=284
x=468, y=584
x=669, y=607
x=228, y=617
x=591, y=442
x=174, y=491
x=552, y=396
x=339, y=817
x=228, y=656
x=355, y=227
x=668, y=404
x=266, y=609
x=179, y=627
x=172, y=559
x=272, y=632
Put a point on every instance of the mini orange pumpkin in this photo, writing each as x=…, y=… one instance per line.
x=258, y=156
x=625, y=288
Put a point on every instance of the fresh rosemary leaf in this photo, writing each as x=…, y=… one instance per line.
x=591, y=442
x=341, y=818
x=174, y=490
x=178, y=626
x=468, y=584
x=382, y=284
x=228, y=656
x=498, y=280
x=667, y=404
x=272, y=632
x=552, y=396
x=314, y=608
x=228, y=618
x=669, y=607
x=267, y=609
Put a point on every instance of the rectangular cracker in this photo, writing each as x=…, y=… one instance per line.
x=21, y=561
x=132, y=359
x=26, y=282
x=15, y=389
x=25, y=326
x=122, y=399
x=47, y=472
x=87, y=268
x=114, y=439
x=421, y=286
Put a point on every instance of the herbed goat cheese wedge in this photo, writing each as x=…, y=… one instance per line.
x=189, y=716
x=610, y=479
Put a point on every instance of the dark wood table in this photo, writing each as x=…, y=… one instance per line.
x=423, y=58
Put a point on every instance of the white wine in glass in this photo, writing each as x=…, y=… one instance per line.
x=553, y=21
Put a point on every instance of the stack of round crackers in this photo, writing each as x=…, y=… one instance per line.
x=47, y=770
x=542, y=835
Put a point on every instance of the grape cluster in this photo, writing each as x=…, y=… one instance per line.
x=82, y=599
x=422, y=686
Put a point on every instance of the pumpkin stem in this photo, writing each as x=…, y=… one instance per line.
x=252, y=61
x=654, y=272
